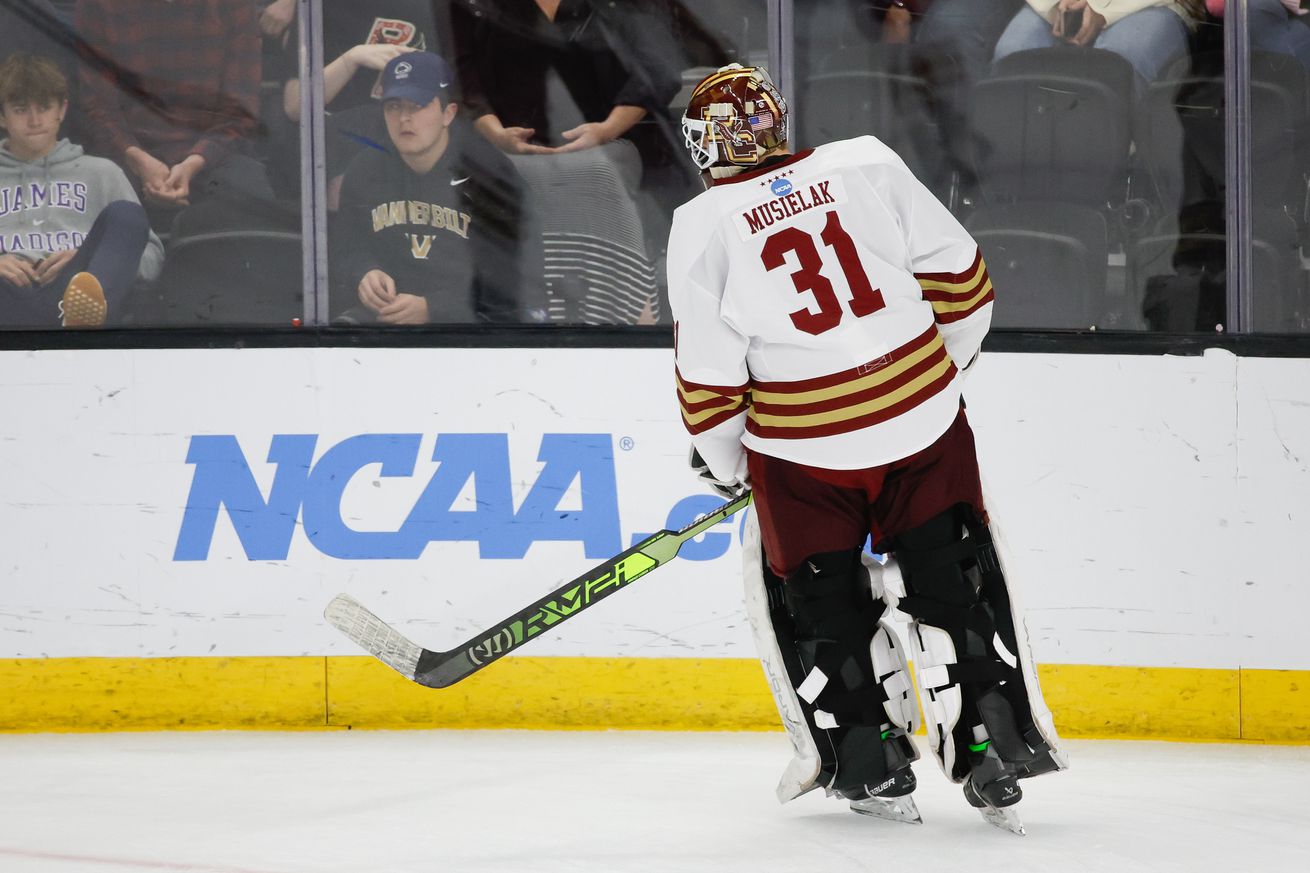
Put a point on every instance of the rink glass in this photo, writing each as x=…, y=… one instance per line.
x=1101, y=200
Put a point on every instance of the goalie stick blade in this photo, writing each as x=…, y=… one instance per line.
x=441, y=669
x=373, y=635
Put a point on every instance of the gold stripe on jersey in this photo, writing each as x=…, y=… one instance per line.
x=853, y=399
x=707, y=406
x=956, y=296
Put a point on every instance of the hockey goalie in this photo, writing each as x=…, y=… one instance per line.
x=827, y=310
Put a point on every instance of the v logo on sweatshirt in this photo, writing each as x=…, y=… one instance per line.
x=420, y=245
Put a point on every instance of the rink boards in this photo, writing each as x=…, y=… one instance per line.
x=175, y=520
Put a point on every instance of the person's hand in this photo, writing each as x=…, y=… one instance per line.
x=376, y=290
x=896, y=25
x=175, y=190
x=405, y=309
x=49, y=266
x=375, y=56
x=1060, y=13
x=276, y=17
x=585, y=136
x=18, y=271
x=729, y=490
x=1093, y=24
x=149, y=169
x=647, y=315
x=517, y=141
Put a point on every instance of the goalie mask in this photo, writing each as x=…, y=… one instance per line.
x=734, y=118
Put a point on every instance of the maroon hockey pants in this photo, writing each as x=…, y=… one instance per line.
x=806, y=511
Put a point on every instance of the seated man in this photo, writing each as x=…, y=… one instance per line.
x=434, y=228
x=171, y=92
x=72, y=235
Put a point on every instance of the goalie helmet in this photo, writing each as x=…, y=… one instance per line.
x=734, y=118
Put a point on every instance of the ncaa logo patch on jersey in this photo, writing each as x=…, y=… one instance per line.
x=780, y=187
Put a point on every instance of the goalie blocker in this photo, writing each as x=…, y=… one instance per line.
x=842, y=687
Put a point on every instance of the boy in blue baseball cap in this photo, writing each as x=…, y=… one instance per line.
x=417, y=109
x=436, y=223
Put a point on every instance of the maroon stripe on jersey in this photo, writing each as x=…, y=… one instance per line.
x=802, y=385
x=961, y=314
x=714, y=420
x=695, y=421
x=687, y=387
x=965, y=287
x=846, y=401
x=730, y=401
x=952, y=278
x=839, y=427
x=958, y=294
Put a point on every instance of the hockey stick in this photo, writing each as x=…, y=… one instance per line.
x=443, y=669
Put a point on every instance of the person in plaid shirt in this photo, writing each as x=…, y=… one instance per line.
x=171, y=91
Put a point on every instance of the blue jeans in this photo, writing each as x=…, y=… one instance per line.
x=111, y=252
x=1273, y=30
x=1148, y=39
x=967, y=29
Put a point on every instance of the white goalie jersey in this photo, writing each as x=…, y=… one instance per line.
x=825, y=307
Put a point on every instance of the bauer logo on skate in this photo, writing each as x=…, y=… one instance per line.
x=311, y=489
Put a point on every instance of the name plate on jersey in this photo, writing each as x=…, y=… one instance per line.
x=790, y=200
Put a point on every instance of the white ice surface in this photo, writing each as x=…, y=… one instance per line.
x=502, y=801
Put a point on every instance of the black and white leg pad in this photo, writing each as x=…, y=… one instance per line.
x=837, y=672
x=977, y=679
x=802, y=773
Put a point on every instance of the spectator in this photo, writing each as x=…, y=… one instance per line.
x=275, y=18
x=1276, y=26
x=171, y=91
x=360, y=38
x=543, y=76
x=1146, y=33
x=611, y=72
x=435, y=227
x=966, y=29
x=556, y=77
x=72, y=235
x=967, y=32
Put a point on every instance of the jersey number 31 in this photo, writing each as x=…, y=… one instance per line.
x=865, y=299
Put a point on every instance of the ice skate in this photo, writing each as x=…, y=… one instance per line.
x=891, y=800
x=993, y=789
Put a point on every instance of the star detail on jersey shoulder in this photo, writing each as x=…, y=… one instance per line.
x=769, y=179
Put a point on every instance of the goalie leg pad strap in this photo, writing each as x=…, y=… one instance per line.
x=963, y=639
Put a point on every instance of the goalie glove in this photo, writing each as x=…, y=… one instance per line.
x=729, y=490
